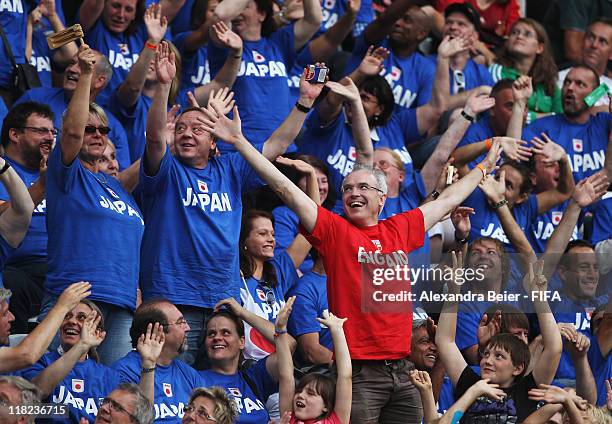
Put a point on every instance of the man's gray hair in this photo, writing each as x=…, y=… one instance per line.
x=144, y=409
x=30, y=394
x=5, y=294
x=104, y=67
x=381, y=181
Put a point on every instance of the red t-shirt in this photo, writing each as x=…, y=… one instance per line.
x=496, y=19
x=332, y=419
x=376, y=329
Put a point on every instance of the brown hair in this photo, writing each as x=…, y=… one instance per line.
x=511, y=317
x=325, y=387
x=518, y=350
x=544, y=69
x=247, y=264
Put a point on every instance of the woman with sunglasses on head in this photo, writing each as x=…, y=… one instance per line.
x=72, y=375
x=266, y=277
x=210, y=405
x=94, y=226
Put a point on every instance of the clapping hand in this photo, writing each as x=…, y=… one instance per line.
x=494, y=189
x=478, y=103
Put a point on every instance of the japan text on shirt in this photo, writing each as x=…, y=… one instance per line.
x=259, y=66
x=208, y=202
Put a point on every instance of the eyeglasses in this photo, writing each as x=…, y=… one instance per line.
x=91, y=129
x=201, y=412
x=361, y=188
x=270, y=298
x=180, y=321
x=383, y=164
x=41, y=130
x=116, y=406
x=459, y=80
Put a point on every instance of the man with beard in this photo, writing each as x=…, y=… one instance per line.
x=27, y=137
x=584, y=136
x=174, y=379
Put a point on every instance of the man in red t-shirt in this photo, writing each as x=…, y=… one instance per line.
x=359, y=253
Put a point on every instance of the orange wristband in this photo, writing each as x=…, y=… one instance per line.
x=483, y=169
x=150, y=46
x=488, y=143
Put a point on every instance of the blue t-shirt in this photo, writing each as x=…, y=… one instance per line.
x=95, y=230
x=474, y=74
x=544, y=225
x=602, y=219
x=34, y=245
x=261, y=88
x=602, y=369
x=310, y=303
x=134, y=119
x=173, y=385
x=56, y=99
x=250, y=400
x=585, y=144
x=81, y=390
x=411, y=78
x=196, y=70
x=286, y=224
x=5, y=251
x=41, y=57
x=3, y=110
x=469, y=315
x=13, y=18
x=190, y=247
x=121, y=50
x=335, y=9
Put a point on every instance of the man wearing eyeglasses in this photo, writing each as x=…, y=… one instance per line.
x=354, y=249
x=127, y=404
x=28, y=136
x=58, y=98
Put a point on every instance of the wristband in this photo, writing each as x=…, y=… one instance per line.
x=238, y=56
x=483, y=169
x=488, y=143
x=278, y=333
x=466, y=116
x=435, y=194
x=301, y=107
x=146, y=370
x=5, y=168
x=500, y=204
x=150, y=46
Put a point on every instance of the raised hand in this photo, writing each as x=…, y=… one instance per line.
x=73, y=295
x=309, y=92
x=478, y=103
x=47, y=8
x=534, y=280
x=579, y=346
x=522, y=89
x=91, y=335
x=494, y=189
x=490, y=390
x=150, y=344
x=231, y=304
x=372, y=62
x=590, y=190
x=156, y=23
x=42, y=166
x=299, y=165
x=332, y=321
x=457, y=270
x=346, y=88
x=551, y=151
x=549, y=394
x=283, y=316
x=286, y=418
x=227, y=37
x=219, y=125
x=460, y=217
x=421, y=380
x=492, y=157
x=488, y=330
x=450, y=46
x=87, y=59
x=515, y=149
x=165, y=66
x=222, y=100
x=172, y=117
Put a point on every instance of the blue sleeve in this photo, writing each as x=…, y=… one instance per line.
x=153, y=185
x=246, y=174
x=128, y=371
x=62, y=175
x=409, y=125
x=264, y=381
x=284, y=228
x=303, y=318
x=3, y=110
x=287, y=271
x=31, y=372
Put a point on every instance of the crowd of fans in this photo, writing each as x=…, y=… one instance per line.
x=195, y=228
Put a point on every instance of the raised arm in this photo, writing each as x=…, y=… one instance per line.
x=89, y=12
x=157, y=116
x=227, y=11
x=284, y=361
x=514, y=149
x=15, y=220
x=451, y=356
x=344, y=381
x=64, y=54
x=552, y=152
x=536, y=282
x=48, y=379
x=451, y=137
x=26, y=353
x=308, y=25
x=324, y=46
x=458, y=192
x=521, y=91
x=422, y=381
x=149, y=346
x=284, y=135
x=130, y=90
x=75, y=119
x=553, y=396
x=578, y=346
x=170, y=8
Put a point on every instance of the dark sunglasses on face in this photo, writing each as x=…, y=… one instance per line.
x=91, y=129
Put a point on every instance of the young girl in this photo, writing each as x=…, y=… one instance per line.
x=317, y=398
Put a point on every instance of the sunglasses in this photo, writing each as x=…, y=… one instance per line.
x=91, y=129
